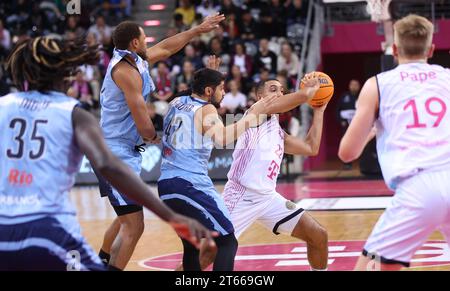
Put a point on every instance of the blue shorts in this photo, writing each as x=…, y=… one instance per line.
x=197, y=198
x=132, y=159
x=46, y=244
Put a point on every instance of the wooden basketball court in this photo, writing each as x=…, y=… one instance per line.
x=344, y=207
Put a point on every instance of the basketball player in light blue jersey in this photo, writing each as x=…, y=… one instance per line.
x=191, y=129
x=44, y=135
x=126, y=124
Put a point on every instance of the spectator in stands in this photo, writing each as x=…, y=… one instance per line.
x=215, y=48
x=279, y=15
x=347, y=107
x=91, y=74
x=242, y=60
x=207, y=8
x=81, y=91
x=247, y=26
x=116, y=9
x=5, y=41
x=191, y=56
x=230, y=26
x=288, y=60
x=91, y=40
x=101, y=30
x=266, y=27
x=4, y=86
x=241, y=81
x=234, y=101
x=162, y=82
x=37, y=21
x=265, y=58
x=297, y=12
x=187, y=10
x=228, y=8
x=199, y=46
x=182, y=87
x=187, y=75
x=72, y=26
x=178, y=23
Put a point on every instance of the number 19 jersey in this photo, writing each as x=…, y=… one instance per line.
x=413, y=127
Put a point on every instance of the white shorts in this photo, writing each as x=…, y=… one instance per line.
x=420, y=206
x=273, y=211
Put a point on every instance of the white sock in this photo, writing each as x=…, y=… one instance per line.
x=312, y=269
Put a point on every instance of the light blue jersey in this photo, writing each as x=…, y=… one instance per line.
x=185, y=149
x=184, y=184
x=119, y=129
x=116, y=120
x=38, y=156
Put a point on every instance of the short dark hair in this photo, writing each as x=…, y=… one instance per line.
x=206, y=78
x=124, y=33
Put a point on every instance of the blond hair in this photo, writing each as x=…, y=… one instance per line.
x=413, y=35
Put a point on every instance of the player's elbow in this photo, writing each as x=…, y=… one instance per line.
x=104, y=163
x=314, y=152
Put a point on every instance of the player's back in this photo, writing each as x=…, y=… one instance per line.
x=185, y=149
x=413, y=128
x=38, y=155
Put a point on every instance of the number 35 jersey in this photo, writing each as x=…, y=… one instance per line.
x=38, y=156
x=185, y=150
x=413, y=126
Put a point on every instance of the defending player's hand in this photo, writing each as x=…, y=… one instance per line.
x=311, y=83
x=192, y=231
x=213, y=62
x=210, y=23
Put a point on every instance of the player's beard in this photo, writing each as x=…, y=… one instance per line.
x=142, y=54
x=216, y=103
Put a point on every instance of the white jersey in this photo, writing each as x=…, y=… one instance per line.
x=413, y=127
x=257, y=158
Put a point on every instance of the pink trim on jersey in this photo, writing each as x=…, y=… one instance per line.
x=232, y=195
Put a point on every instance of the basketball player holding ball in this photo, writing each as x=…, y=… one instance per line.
x=250, y=193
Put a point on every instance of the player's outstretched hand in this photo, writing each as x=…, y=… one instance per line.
x=213, y=62
x=192, y=231
x=210, y=23
x=311, y=84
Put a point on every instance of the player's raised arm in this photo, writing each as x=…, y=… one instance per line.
x=172, y=45
x=213, y=127
x=360, y=129
x=310, y=145
x=90, y=141
x=290, y=101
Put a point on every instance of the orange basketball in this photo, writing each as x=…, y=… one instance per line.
x=325, y=92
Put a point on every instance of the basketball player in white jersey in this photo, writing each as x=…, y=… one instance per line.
x=250, y=193
x=408, y=106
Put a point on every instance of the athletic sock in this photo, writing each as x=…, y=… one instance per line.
x=104, y=256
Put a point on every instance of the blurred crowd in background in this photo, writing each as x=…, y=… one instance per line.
x=257, y=41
